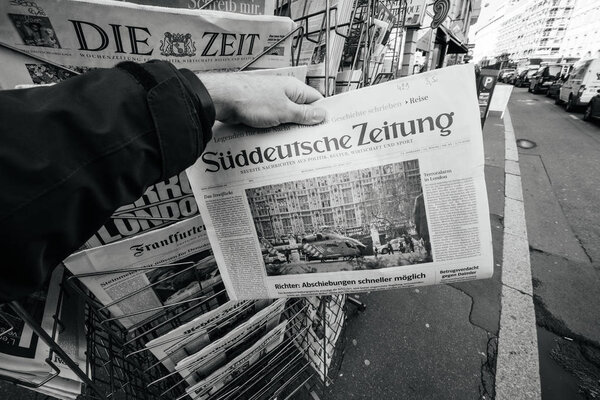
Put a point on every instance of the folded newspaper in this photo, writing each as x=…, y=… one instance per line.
x=191, y=337
x=229, y=372
x=293, y=210
x=201, y=364
x=83, y=34
x=138, y=276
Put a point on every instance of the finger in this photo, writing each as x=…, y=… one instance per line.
x=301, y=93
x=305, y=114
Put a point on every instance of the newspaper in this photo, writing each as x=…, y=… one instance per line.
x=317, y=337
x=184, y=268
x=23, y=356
x=84, y=34
x=403, y=157
x=218, y=353
x=189, y=338
x=221, y=377
x=252, y=7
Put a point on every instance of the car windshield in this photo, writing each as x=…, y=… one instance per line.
x=554, y=70
x=530, y=73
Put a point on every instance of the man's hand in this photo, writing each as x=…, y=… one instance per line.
x=262, y=101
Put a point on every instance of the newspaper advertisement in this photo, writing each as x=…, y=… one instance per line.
x=210, y=358
x=191, y=337
x=161, y=267
x=221, y=377
x=82, y=34
x=251, y=7
x=404, y=158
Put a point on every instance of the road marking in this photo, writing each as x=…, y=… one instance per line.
x=517, y=368
x=547, y=101
x=573, y=116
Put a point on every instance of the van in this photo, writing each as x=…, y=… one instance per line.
x=581, y=85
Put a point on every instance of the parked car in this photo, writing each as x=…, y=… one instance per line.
x=524, y=77
x=544, y=77
x=581, y=85
x=502, y=75
x=507, y=75
x=512, y=78
x=592, y=111
x=554, y=89
x=397, y=245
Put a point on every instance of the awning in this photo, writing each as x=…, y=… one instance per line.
x=455, y=46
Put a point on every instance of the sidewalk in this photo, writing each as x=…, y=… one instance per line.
x=438, y=342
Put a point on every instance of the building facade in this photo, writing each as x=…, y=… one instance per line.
x=535, y=29
x=425, y=48
x=582, y=39
x=349, y=203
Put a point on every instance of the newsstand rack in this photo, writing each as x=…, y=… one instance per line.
x=301, y=367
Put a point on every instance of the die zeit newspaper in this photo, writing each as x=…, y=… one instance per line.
x=85, y=34
x=388, y=192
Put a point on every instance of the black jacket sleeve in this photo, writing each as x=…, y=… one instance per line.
x=72, y=153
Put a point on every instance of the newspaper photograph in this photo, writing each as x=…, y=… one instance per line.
x=158, y=268
x=221, y=377
x=296, y=210
x=99, y=34
x=191, y=337
x=198, y=366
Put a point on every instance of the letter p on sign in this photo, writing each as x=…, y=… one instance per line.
x=488, y=81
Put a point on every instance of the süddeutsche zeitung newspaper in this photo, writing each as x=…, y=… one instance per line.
x=388, y=192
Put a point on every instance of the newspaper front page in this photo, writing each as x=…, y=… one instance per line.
x=86, y=34
x=288, y=211
x=161, y=267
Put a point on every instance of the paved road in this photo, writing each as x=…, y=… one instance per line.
x=561, y=188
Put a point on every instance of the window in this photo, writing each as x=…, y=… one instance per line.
x=267, y=229
x=303, y=202
x=328, y=218
x=347, y=195
x=287, y=225
x=282, y=205
x=325, y=200
x=262, y=208
x=307, y=223
x=350, y=218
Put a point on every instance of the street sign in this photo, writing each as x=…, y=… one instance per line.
x=486, y=82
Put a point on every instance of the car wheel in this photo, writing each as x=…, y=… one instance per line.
x=569, y=106
x=587, y=115
x=557, y=100
x=529, y=89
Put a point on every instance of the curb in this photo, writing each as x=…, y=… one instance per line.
x=517, y=366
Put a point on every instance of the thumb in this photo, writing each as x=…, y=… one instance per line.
x=306, y=114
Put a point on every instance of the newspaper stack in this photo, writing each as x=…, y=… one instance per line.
x=98, y=34
x=26, y=358
x=314, y=47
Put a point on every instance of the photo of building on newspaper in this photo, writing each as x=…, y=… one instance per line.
x=369, y=218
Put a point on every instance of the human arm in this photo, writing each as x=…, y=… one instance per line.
x=72, y=153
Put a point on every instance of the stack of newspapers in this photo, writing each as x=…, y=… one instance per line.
x=25, y=358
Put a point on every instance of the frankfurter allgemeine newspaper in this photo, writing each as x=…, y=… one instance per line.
x=388, y=192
